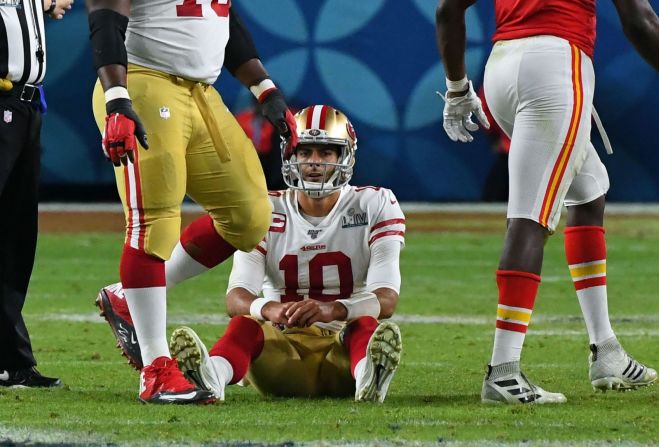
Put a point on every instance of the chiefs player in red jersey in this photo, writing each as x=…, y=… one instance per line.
x=539, y=80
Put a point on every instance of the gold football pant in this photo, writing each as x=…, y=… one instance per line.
x=182, y=158
x=302, y=362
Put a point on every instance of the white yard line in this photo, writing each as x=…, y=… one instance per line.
x=61, y=437
x=643, y=209
x=465, y=320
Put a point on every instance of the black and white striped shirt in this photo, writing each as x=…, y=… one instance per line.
x=22, y=41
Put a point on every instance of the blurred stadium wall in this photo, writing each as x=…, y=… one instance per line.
x=376, y=60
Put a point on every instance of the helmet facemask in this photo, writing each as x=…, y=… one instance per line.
x=333, y=129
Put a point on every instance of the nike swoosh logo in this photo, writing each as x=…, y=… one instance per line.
x=178, y=396
x=4, y=375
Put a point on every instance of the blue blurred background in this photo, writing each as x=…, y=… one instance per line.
x=376, y=60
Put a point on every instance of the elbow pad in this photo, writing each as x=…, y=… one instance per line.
x=107, y=32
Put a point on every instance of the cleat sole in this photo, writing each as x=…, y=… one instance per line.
x=383, y=353
x=137, y=365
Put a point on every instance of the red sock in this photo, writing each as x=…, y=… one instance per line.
x=201, y=241
x=358, y=333
x=241, y=343
x=517, y=292
x=585, y=249
x=138, y=270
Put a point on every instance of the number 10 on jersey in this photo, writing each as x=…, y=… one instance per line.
x=192, y=8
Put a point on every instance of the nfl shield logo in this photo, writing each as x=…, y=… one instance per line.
x=8, y=116
x=164, y=113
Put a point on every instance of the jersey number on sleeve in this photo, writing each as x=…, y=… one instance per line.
x=190, y=8
x=289, y=265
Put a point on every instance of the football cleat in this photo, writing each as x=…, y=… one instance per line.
x=27, y=378
x=382, y=359
x=114, y=308
x=162, y=382
x=194, y=361
x=611, y=368
x=506, y=383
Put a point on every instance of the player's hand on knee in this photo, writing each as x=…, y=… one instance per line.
x=122, y=128
x=274, y=108
x=458, y=111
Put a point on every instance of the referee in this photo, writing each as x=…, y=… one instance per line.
x=22, y=68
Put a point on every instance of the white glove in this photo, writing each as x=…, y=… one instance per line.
x=457, y=115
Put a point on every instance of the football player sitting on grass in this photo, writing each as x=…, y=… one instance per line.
x=305, y=303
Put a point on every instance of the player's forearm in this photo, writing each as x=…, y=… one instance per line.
x=451, y=36
x=641, y=26
x=251, y=73
x=112, y=75
x=238, y=301
x=388, y=299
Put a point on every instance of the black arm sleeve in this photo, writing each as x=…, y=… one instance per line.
x=107, y=32
x=240, y=47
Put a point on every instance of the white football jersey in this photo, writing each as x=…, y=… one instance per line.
x=327, y=261
x=181, y=37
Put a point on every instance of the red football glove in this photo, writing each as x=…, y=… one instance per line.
x=122, y=127
x=274, y=108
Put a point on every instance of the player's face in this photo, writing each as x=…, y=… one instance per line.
x=314, y=159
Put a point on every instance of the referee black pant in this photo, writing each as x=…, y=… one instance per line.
x=20, y=149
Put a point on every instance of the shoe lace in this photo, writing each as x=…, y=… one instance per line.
x=531, y=385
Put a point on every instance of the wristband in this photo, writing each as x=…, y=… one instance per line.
x=262, y=87
x=257, y=306
x=363, y=304
x=116, y=93
x=457, y=86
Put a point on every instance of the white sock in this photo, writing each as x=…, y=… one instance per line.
x=181, y=266
x=507, y=346
x=224, y=368
x=595, y=310
x=359, y=367
x=148, y=309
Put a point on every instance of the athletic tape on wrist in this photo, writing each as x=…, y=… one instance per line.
x=257, y=306
x=116, y=93
x=262, y=87
x=457, y=86
x=363, y=304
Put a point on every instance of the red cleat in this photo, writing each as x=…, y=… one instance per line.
x=162, y=382
x=114, y=309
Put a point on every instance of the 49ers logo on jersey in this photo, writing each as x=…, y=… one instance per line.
x=278, y=224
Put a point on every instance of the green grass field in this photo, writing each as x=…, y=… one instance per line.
x=446, y=314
